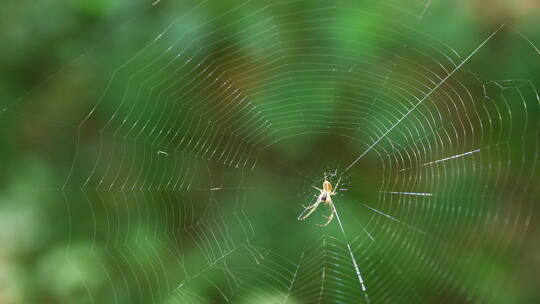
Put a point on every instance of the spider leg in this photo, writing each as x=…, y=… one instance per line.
x=317, y=188
x=337, y=185
x=311, y=209
x=331, y=215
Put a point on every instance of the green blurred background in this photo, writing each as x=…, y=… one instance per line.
x=161, y=152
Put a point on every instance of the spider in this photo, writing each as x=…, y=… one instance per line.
x=325, y=196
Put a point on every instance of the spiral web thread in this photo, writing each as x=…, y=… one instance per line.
x=184, y=124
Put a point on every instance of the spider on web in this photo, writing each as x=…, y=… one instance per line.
x=325, y=196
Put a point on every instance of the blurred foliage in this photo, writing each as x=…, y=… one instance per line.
x=59, y=60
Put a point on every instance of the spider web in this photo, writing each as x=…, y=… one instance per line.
x=184, y=156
